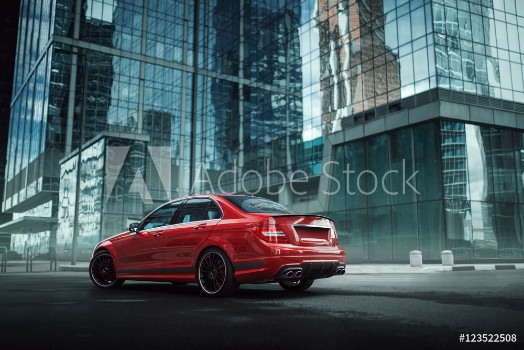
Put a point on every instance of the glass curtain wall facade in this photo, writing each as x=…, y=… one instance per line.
x=195, y=96
x=465, y=197
x=469, y=175
x=9, y=33
x=217, y=84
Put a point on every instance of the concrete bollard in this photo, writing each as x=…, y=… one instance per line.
x=415, y=258
x=447, y=257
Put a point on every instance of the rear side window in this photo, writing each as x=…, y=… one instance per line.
x=257, y=205
x=198, y=209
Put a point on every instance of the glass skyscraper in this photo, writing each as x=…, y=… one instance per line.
x=8, y=32
x=402, y=120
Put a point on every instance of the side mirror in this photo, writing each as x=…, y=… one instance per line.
x=133, y=228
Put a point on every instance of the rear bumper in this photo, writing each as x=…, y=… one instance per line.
x=311, y=270
x=311, y=264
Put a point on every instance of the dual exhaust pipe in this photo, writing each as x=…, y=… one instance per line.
x=294, y=273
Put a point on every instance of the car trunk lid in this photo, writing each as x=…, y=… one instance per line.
x=308, y=230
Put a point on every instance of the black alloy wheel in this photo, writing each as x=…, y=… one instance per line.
x=215, y=274
x=102, y=271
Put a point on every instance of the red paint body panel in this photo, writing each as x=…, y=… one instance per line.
x=182, y=241
x=141, y=250
x=171, y=252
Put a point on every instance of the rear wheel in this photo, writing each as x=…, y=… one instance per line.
x=215, y=274
x=296, y=286
x=102, y=271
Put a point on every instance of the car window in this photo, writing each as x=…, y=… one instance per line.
x=198, y=209
x=257, y=205
x=162, y=216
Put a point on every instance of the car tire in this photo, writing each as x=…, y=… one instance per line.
x=102, y=271
x=215, y=275
x=296, y=286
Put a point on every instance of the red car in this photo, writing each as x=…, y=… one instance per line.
x=219, y=242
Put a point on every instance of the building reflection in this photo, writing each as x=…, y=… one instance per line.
x=252, y=123
x=480, y=190
x=358, y=69
x=455, y=180
x=465, y=58
x=100, y=74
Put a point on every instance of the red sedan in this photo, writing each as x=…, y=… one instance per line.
x=219, y=242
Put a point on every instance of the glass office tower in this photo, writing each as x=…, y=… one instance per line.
x=403, y=120
x=7, y=46
x=449, y=112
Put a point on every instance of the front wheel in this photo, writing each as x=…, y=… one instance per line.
x=296, y=286
x=102, y=271
x=215, y=274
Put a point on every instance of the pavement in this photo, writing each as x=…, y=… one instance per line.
x=19, y=266
x=426, y=268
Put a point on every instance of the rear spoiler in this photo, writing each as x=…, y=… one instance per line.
x=319, y=216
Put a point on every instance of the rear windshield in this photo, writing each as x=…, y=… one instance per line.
x=257, y=205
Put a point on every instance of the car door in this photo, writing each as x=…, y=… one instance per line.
x=142, y=252
x=193, y=223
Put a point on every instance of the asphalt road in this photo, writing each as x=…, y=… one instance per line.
x=373, y=311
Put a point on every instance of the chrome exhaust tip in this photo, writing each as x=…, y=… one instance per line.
x=289, y=274
x=298, y=274
x=342, y=271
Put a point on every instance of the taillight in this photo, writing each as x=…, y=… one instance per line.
x=334, y=238
x=270, y=231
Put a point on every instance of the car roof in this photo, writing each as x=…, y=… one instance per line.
x=208, y=195
x=213, y=195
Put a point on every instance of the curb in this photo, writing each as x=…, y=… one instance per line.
x=73, y=268
x=363, y=269
x=463, y=268
x=487, y=267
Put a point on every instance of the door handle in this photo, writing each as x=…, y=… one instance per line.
x=160, y=233
x=199, y=226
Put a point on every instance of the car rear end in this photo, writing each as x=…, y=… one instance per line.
x=300, y=247
x=288, y=247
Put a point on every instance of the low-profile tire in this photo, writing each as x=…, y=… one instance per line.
x=215, y=274
x=296, y=286
x=102, y=271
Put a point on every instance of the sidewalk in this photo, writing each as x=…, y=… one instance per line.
x=426, y=268
x=19, y=266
